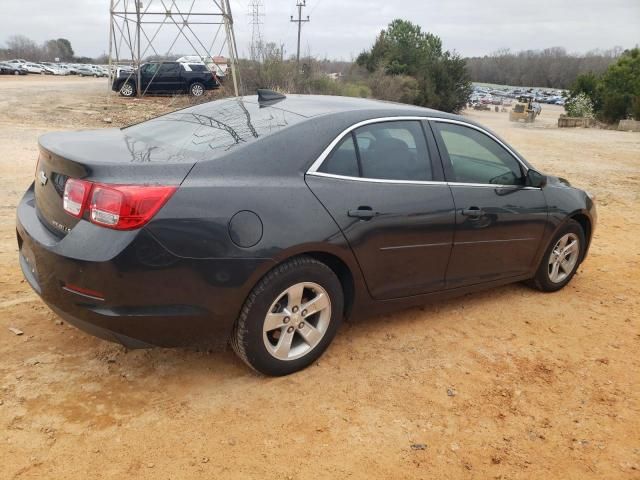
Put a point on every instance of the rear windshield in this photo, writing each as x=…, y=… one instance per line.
x=215, y=126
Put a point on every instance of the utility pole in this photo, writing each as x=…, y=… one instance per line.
x=299, y=21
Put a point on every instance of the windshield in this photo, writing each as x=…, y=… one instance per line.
x=214, y=126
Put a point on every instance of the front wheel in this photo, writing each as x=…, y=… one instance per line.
x=289, y=318
x=561, y=259
x=196, y=89
x=127, y=90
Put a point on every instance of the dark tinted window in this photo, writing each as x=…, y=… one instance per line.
x=213, y=126
x=477, y=158
x=394, y=151
x=168, y=69
x=343, y=160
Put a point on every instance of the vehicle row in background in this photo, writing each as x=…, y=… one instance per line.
x=502, y=95
x=23, y=67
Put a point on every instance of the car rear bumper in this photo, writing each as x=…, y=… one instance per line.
x=127, y=288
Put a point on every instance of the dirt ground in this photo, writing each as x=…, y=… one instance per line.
x=505, y=384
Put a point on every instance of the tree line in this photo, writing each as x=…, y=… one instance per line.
x=19, y=46
x=549, y=68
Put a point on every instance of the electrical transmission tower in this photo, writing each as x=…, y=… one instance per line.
x=199, y=28
x=256, y=8
x=300, y=4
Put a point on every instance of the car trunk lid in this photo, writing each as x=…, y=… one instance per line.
x=105, y=156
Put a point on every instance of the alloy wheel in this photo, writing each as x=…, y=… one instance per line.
x=197, y=90
x=126, y=90
x=297, y=321
x=563, y=257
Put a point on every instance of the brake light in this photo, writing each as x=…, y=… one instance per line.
x=75, y=196
x=121, y=207
x=125, y=207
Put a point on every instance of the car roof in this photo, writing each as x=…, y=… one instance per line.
x=316, y=105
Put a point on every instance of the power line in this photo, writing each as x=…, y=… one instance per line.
x=315, y=6
x=300, y=4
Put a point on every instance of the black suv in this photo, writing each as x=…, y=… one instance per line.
x=167, y=77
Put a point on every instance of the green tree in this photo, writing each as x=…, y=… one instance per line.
x=404, y=49
x=587, y=84
x=60, y=48
x=64, y=46
x=619, y=88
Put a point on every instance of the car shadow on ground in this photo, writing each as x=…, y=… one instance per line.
x=223, y=364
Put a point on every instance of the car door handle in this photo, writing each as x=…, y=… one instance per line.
x=472, y=212
x=364, y=213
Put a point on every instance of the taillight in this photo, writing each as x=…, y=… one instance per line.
x=122, y=207
x=75, y=196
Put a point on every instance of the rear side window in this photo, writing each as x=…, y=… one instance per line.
x=343, y=160
x=169, y=68
x=394, y=150
x=197, y=68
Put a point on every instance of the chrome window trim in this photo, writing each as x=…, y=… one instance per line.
x=313, y=170
x=419, y=182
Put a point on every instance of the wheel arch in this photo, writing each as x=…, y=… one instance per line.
x=341, y=267
x=585, y=223
x=344, y=274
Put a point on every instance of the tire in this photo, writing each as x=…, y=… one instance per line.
x=128, y=89
x=544, y=279
x=278, y=301
x=196, y=89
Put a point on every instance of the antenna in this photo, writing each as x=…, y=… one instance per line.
x=137, y=30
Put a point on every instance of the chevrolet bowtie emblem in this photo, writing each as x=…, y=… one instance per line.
x=42, y=177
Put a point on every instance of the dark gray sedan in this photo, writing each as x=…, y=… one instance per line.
x=265, y=221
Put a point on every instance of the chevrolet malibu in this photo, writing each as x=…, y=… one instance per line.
x=264, y=221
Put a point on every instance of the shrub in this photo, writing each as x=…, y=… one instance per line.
x=394, y=88
x=579, y=105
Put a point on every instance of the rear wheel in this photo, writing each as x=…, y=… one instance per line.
x=196, y=89
x=561, y=259
x=289, y=318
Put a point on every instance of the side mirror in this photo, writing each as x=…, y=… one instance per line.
x=536, y=179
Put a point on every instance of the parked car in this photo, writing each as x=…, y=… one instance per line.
x=17, y=61
x=33, y=68
x=99, y=71
x=86, y=71
x=264, y=221
x=12, y=69
x=166, y=77
x=73, y=69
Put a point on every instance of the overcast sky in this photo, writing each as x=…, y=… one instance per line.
x=343, y=28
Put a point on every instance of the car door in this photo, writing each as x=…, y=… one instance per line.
x=149, y=77
x=499, y=220
x=168, y=77
x=382, y=183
